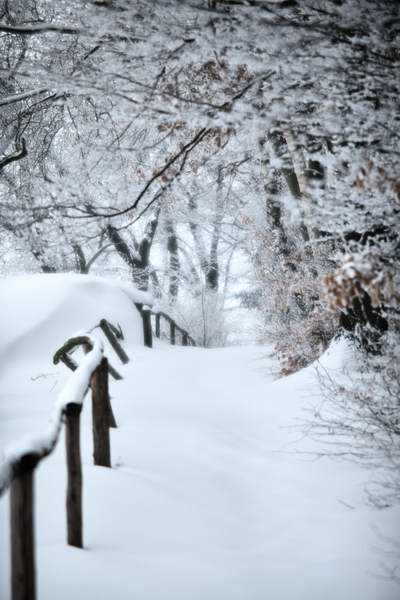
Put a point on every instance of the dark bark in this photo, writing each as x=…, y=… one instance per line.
x=147, y=330
x=81, y=263
x=158, y=328
x=208, y=259
x=74, y=468
x=22, y=535
x=212, y=275
x=172, y=329
x=138, y=257
x=101, y=416
x=279, y=145
x=173, y=260
x=198, y=240
x=19, y=153
x=273, y=190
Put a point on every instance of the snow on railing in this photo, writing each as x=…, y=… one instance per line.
x=62, y=354
x=40, y=446
x=22, y=458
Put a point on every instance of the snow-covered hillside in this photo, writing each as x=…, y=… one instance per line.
x=209, y=496
x=39, y=312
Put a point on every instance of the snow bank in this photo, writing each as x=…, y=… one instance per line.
x=39, y=312
x=210, y=496
x=339, y=354
x=73, y=392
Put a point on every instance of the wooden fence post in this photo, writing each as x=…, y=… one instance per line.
x=111, y=419
x=118, y=349
x=158, y=328
x=23, y=585
x=147, y=331
x=172, y=328
x=101, y=415
x=74, y=482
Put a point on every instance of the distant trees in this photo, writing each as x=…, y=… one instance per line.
x=323, y=122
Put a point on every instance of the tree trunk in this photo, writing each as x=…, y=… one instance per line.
x=173, y=260
x=138, y=257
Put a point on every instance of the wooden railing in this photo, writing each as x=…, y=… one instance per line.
x=148, y=315
x=18, y=469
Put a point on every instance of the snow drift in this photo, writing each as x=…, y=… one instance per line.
x=39, y=312
x=212, y=494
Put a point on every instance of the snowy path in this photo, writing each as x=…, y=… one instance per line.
x=206, y=499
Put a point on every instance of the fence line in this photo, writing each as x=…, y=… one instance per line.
x=17, y=472
x=186, y=338
x=19, y=468
x=147, y=314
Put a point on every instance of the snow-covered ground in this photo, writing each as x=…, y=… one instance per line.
x=208, y=497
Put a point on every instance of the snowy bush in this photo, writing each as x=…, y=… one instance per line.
x=360, y=417
x=204, y=317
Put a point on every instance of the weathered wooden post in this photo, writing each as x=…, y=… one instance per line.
x=147, y=331
x=172, y=329
x=101, y=415
x=111, y=419
x=184, y=338
x=158, y=328
x=118, y=349
x=74, y=475
x=23, y=585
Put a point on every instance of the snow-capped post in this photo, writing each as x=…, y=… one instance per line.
x=158, y=328
x=101, y=415
x=74, y=467
x=106, y=329
x=22, y=531
x=172, y=330
x=147, y=330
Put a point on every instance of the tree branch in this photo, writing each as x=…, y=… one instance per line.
x=185, y=150
x=19, y=153
x=38, y=28
x=24, y=96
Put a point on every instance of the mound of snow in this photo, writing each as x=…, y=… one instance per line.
x=339, y=354
x=39, y=312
